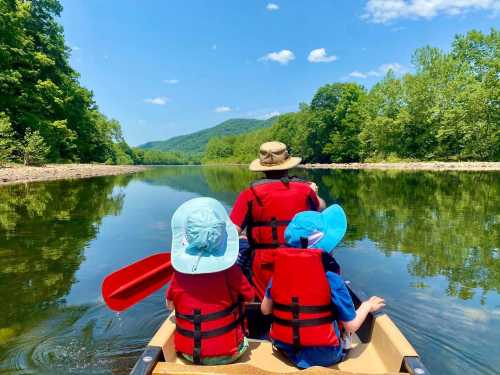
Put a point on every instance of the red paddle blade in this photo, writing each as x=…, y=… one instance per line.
x=129, y=285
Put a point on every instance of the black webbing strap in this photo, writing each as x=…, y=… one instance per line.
x=197, y=336
x=211, y=316
x=212, y=333
x=197, y=318
x=304, y=322
x=274, y=230
x=305, y=309
x=295, y=323
x=270, y=223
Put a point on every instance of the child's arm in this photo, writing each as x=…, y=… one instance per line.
x=170, y=304
x=373, y=304
x=266, y=306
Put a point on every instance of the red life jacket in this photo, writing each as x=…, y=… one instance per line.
x=302, y=308
x=275, y=204
x=207, y=324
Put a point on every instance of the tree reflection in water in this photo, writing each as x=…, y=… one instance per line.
x=44, y=228
x=448, y=221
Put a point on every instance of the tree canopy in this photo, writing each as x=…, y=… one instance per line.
x=448, y=109
x=40, y=92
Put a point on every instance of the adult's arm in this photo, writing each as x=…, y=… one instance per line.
x=321, y=201
x=266, y=306
x=239, y=212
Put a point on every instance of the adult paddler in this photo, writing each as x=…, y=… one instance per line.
x=268, y=205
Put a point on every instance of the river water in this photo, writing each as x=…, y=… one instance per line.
x=427, y=242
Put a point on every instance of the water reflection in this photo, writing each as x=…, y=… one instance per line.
x=418, y=238
x=449, y=222
x=43, y=230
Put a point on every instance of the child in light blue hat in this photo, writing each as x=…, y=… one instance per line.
x=314, y=230
x=208, y=290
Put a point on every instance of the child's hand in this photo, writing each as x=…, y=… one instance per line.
x=314, y=187
x=375, y=303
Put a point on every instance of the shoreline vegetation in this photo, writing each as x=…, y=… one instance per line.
x=17, y=174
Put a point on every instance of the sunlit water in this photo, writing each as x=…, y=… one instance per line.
x=428, y=242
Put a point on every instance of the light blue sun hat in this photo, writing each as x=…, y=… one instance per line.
x=322, y=230
x=204, y=240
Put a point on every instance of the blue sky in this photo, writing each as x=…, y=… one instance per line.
x=170, y=67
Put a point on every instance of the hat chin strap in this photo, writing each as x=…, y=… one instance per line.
x=195, y=265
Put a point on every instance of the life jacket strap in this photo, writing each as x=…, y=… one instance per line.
x=211, y=333
x=197, y=319
x=305, y=309
x=304, y=322
x=296, y=323
x=270, y=223
x=207, y=317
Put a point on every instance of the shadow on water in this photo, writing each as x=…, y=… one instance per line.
x=428, y=242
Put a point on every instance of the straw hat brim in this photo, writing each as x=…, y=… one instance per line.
x=291, y=162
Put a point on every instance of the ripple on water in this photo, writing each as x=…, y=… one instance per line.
x=84, y=340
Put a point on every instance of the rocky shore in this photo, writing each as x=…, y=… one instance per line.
x=15, y=174
x=423, y=166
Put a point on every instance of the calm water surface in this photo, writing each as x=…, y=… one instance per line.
x=428, y=242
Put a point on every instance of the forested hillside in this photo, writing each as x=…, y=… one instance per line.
x=45, y=114
x=195, y=143
x=447, y=109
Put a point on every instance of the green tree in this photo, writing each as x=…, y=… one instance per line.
x=8, y=142
x=34, y=149
x=40, y=90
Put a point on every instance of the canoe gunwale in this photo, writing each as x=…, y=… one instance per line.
x=148, y=360
x=414, y=366
x=409, y=362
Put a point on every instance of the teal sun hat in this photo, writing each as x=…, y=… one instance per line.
x=204, y=240
x=322, y=230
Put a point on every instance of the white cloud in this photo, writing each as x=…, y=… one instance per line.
x=357, y=74
x=381, y=71
x=272, y=7
x=282, y=57
x=383, y=11
x=161, y=100
x=319, y=55
x=269, y=115
x=171, y=81
x=223, y=109
x=75, y=48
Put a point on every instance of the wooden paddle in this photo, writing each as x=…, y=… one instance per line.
x=133, y=283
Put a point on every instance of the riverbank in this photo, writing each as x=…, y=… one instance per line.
x=15, y=174
x=421, y=166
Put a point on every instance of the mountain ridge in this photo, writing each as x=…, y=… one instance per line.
x=196, y=142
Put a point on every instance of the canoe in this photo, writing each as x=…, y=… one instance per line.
x=378, y=347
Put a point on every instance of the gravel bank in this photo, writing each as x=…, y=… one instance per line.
x=20, y=174
x=423, y=166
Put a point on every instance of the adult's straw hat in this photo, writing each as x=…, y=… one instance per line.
x=273, y=156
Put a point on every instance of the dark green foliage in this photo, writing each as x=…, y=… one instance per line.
x=40, y=91
x=195, y=143
x=449, y=109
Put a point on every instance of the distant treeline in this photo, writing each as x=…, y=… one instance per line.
x=448, y=109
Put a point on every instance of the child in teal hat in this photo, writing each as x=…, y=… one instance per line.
x=314, y=230
x=208, y=290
